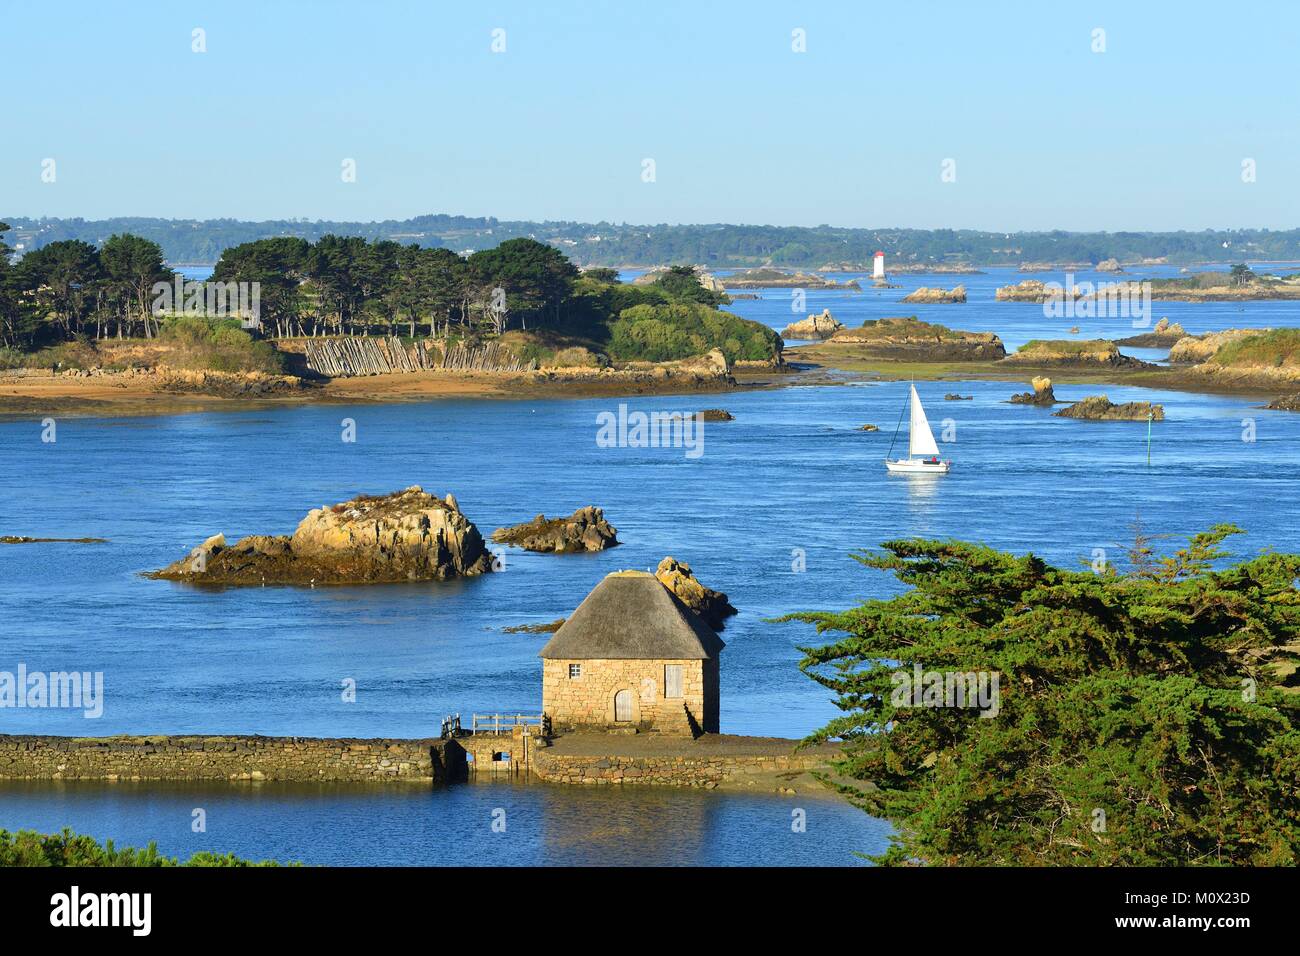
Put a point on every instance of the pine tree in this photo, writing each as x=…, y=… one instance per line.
x=1147, y=717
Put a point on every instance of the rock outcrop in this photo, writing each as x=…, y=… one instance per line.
x=1287, y=403
x=711, y=367
x=1109, y=265
x=1054, y=266
x=910, y=338
x=954, y=397
x=404, y=536
x=1099, y=408
x=1199, y=348
x=708, y=372
x=584, y=530
x=1089, y=353
x=1162, y=335
x=1042, y=393
x=716, y=415
x=768, y=278
x=936, y=296
x=224, y=384
x=707, y=279
x=1030, y=290
x=550, y=627
x=712, y=606
x=712, y=364
x=814, y=327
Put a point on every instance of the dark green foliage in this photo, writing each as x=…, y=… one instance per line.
x=1163, y=698
x=29, y=848
x=69, y=289
x=59, y=279
x=647, y=323
x=1241, y=274
x=347, y=285
x=279, y=266
x=534, y=276
x=679, y=330
x=132, y=266
x=682, y=284
x=18, y=322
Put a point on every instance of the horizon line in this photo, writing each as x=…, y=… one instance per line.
x=302, y=220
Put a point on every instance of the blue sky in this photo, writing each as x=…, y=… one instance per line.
x=1045, y=133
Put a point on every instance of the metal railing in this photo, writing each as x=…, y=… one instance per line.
x=506, y=723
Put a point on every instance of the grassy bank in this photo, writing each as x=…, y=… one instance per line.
x=1276, y=348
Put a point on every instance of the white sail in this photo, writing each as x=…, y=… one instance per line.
x=920, y=441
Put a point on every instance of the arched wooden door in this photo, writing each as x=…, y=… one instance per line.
x=623, y=705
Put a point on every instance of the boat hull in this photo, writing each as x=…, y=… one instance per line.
x=916, y=466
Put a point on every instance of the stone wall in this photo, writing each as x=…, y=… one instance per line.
x=588, y=700
x=223, y=758
x=780, y=772
x=492, y=753
x=601, y=759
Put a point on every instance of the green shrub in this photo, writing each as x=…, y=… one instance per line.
x=29, y=848
x=577, y=356
x=682, y=284
x=1277, y=348
x=218, y=345
x=76, y=354
x=663, y=333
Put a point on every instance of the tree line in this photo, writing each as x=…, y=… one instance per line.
x=71, y=289
x=348, y=285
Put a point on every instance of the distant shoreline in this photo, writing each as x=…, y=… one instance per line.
x=193, y=242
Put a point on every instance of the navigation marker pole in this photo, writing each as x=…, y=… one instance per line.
x=1150, y=416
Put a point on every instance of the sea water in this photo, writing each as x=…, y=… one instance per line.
x=770, y=512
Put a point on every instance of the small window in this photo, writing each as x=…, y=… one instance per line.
x=672, y=680
x=575, y=670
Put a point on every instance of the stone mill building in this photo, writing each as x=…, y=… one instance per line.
x=632, y=656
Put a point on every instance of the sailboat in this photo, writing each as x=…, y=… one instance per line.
x=922, y=453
